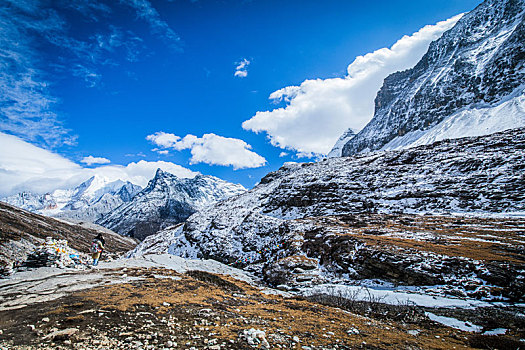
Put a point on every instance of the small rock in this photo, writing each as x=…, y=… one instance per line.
x=45, y=319
x=413, y=332
x=352, y=331
x=61, y=334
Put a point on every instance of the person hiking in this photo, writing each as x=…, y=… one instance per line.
x=97, y=246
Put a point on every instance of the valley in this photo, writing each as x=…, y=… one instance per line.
x=408, y=234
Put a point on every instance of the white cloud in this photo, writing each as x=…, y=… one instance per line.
x=211, y=149
x=163, y=139
x=241, y=70
x=318, y=111
x=25, y=167
x=283, y=154
x=89, y=160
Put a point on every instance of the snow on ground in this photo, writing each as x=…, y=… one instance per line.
x=50, y=283
x=497, y=331
x=393, y=296
x=454, y=323
x=180, y=265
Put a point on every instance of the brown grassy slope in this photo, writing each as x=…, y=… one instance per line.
x=17, y=224
x=485, y=239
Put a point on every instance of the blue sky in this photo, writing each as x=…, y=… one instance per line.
x=95, y=78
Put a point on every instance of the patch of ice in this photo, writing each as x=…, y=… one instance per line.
x=454, y=323
x=394, y=297
x=497, y=331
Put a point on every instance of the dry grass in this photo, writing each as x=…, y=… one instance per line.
x=249, y=308
x=475, y=238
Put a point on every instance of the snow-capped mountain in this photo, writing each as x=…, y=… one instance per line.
x=265, y=227
x=88, y=201
x=471, y=82
x=165, y=201
x=337, y=150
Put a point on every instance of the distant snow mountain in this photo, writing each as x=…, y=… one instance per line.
x=337, y=150
x=471, y=82
x=165, y=201
x=89, y=201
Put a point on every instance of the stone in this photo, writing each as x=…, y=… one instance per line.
x=61, y=334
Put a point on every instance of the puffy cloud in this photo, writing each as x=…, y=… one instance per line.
x=211, y=149
x=318, y=111
x=89, y=160
x=163, y=139
x=241, y=70
x=25, y=167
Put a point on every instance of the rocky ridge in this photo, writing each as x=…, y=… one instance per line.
x=469, y=83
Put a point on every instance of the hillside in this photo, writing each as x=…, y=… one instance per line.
x=21, y=231
x=358, y=218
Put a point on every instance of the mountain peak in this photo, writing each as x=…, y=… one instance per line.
x=468, y=83
x=167, y=200
x=159, y=172
x=88, y=201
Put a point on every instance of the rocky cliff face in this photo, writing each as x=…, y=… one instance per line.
x=167, y=200
x=277, y=228
x=89, y=201
x=469, y=83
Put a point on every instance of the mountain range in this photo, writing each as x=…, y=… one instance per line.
x=89, y=201
x=167, y=200
x=127, y=208
x=446, y=143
